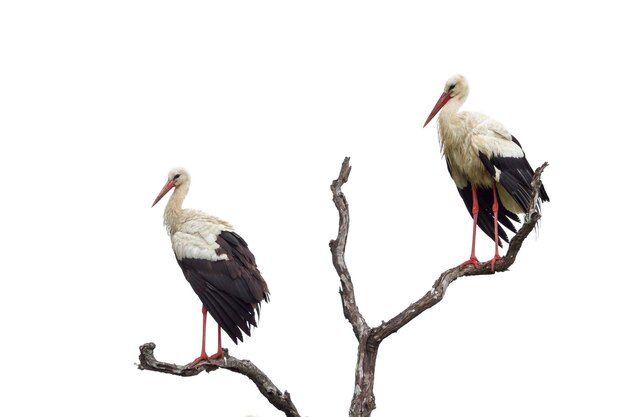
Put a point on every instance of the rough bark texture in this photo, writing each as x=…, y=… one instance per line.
x=363, y=400
x=280, y=400
x=369, y=339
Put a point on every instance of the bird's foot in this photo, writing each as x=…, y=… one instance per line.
x=471, y=261
x=493, y=261
x=204, y=357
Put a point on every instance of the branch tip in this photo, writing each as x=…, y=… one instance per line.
x=244, y=367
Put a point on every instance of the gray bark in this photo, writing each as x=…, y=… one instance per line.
x=369, y=338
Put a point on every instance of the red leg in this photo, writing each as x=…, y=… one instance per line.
x=495, y=226
x=203, y=355
x=473, y=260
x=220, y=352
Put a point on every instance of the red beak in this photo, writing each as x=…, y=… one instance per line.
x=168, y=186
x=440, y=103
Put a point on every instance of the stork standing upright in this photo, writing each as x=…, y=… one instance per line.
x=217, y=263
x=486, y=163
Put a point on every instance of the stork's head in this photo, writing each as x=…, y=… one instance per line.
x=456, y=89
x=176, y=177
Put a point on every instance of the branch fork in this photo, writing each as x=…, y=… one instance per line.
x=369, y=338
x=363, y=400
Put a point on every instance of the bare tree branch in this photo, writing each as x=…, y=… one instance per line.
x=369, y=339
x=363, y=401
x=338, y=249
x=440, y=286
x=282, y=401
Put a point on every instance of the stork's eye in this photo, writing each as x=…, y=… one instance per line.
x=451, y=88
x=176, y=176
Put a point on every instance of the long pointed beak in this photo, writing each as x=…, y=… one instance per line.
x=168, y=186
x=440, y=103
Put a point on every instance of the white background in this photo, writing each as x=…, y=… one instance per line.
x=261, y=101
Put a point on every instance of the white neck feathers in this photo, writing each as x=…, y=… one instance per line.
x=174, y=207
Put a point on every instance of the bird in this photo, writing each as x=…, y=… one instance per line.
x=217, y=263
x=487, y=164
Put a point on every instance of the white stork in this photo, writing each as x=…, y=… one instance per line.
x=217, y=263
x=486, y=163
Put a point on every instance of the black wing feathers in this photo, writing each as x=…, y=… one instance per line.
x=485, y=215
x=515, y=176
x=232, y=289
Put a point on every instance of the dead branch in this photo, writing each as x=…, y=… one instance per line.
x=280, y=400
x=338, y=248
x=363, y=401
x=369, y=339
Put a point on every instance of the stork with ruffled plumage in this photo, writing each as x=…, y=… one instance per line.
x=486, y=163
x=217, y=263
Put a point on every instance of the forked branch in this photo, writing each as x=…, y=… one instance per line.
x=363, y=402
x=369, y=339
